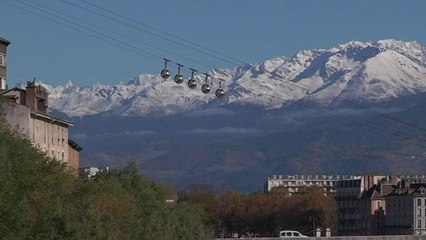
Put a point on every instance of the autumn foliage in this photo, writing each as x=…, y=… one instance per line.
x=262, y=214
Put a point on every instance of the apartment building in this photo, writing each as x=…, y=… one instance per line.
x=26, y=110
x=381, y=205
x=359, y=201
x=406, y=213
x=297, y=183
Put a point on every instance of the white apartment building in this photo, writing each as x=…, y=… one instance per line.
x=297, y=183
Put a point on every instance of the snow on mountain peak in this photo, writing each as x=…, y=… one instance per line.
x=357, y=71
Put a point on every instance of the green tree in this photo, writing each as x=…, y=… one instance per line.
x=40, y=199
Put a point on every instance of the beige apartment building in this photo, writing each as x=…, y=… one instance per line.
x=26, y=110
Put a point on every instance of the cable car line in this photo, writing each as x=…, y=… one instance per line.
x=163, y=32
x=120, y=34
x=91, y=32
x=149, y=32
x=96, y=34
x=131, y=49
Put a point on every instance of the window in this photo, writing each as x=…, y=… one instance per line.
x=419, y=223
x=2, y=60
x=419, y=202
x=419, y=212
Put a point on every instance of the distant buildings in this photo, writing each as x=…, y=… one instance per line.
x=367, y=204
x=26, y=110
x=91, y=172
x=298, y=183
x=381, y=205
x=406, y=213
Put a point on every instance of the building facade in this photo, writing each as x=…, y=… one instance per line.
x=381, y=205
x=297, y=183
x=26, y=111
x=406, y=210
x=359, y=203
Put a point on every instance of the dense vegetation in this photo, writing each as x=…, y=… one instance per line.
x=40, y=199
x=263, y=214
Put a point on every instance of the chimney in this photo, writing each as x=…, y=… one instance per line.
x=36, y=97
x=30, y=98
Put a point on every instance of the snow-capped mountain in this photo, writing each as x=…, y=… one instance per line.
x=355, y=71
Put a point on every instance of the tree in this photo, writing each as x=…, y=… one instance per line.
x=40, y=199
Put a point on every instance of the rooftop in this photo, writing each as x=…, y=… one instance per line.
x=4, y=41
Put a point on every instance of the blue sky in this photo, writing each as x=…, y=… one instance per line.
x=247, y=31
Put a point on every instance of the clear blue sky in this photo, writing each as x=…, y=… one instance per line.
x=248, y=30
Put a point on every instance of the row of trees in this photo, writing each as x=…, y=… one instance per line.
x=262, y=214
x=39, y=199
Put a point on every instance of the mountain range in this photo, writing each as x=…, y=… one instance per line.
x=358, y=107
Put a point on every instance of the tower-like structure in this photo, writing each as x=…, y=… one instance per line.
x=3, y=52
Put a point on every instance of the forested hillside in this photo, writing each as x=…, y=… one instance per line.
x=40, y=199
